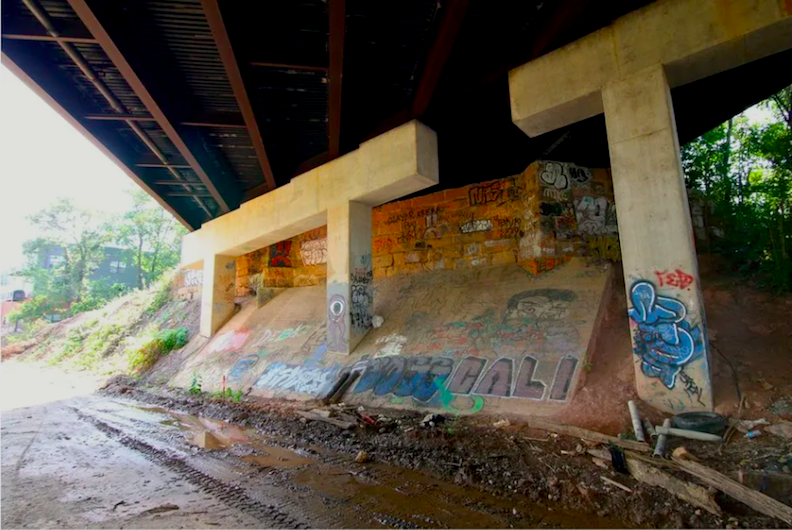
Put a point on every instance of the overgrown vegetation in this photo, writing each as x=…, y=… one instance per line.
x=63, y=264
x=744, y=171
x=128, y=335
x=160, y=343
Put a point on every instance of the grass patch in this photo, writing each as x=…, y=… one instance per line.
x=157, y=345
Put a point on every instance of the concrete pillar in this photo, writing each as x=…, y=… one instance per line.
x=669, y=330
x=217, y=297
x=349, y=276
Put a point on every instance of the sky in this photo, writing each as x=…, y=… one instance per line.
x=42, y=158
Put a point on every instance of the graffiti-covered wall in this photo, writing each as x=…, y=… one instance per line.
x=187, y=284
x=540, y=218
x=296, y=262
x=497, y=339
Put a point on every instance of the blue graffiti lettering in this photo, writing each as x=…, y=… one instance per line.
x=663, y=339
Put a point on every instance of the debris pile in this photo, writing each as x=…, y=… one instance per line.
x=625, y=457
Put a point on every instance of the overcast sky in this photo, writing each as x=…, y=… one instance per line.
x=42, y=157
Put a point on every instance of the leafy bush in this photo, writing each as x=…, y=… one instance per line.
x=195, y=384
x=160, y=344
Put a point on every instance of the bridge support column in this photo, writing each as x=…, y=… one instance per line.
x=349, y=276
x=669, y=329
x=217, y=296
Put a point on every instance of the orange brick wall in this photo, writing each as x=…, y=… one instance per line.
x=539, y=218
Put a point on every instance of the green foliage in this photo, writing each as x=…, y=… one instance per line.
x=151, y=236
x=162, y=294
x=159, y=344
x=195, y=384
x=233, y=395
x=151, y=241
x=744, y=172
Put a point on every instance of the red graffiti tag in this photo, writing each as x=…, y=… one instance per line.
x=677, y=278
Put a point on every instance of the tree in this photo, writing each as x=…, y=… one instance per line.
x=151, y=236
x=745, y=171
x=81, y=236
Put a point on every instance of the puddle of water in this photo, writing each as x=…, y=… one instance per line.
x=277, y=457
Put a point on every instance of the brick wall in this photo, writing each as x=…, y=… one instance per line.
x=538, y=219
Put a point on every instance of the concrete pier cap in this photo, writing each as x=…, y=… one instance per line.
x=392, y=165
x=626, y=71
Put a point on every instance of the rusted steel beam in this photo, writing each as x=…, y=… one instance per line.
x=215, y=19
x=450, y=21
x=188, y=194
x=174, y=183
x=49, y=38
x=118, y=117
x=20, y=73
x=337, y=24
x=168, y=166
x=214, y=124
x=87, y=16
x=298, y=67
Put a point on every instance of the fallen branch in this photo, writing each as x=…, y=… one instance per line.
x=614, y=483
x=579, y=432
x=643, y=469
x=758, y=501
x=331, y=421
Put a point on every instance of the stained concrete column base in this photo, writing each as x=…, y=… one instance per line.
x=217, y=297
x=350, y=296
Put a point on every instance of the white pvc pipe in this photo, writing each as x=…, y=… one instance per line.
x=685, y=433
x=636, y=421
x=661, y=439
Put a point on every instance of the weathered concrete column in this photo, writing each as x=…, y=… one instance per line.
x=669, y=330
x=349, y=276
x=217, y=296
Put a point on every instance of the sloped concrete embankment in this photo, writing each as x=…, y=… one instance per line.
x=497, y=339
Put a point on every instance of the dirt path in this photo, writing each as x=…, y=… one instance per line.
x=97, y=461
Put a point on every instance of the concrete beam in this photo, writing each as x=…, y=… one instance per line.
x=692, y=39
x=392, y=165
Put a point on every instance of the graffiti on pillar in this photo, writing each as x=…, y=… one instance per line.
x=677, y=278
x=279, y=254
x=336, y=328
x=663, y=338
x=362, y=294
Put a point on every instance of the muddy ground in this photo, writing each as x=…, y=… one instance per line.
x=530, y=468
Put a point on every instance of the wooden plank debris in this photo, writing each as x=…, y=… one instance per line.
x=579, y=432
x=756, y=500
